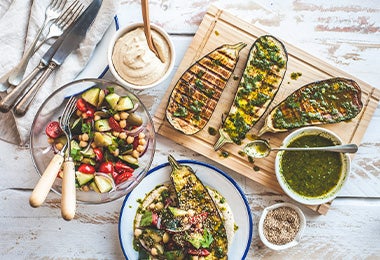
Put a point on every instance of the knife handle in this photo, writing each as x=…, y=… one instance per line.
x=10, y=100
x=23, y=104
x=68, y=200
x=47, y=179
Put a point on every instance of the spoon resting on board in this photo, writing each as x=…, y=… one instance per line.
x=147, y=29
x=261, y=148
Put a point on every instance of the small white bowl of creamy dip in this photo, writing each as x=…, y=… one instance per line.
x=131, y=61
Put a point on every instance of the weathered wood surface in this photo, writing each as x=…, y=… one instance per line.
x=345, y=34
x=220, y=27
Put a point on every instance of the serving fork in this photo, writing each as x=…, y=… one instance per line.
x=52, y=12
x=63, y=22
x=68, y=200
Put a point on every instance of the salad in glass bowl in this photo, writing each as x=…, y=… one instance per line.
x=112, y=144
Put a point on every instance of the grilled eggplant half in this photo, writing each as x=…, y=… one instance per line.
x=262, y=77
x=197, y=92
x=322, y=102
x=192, y=194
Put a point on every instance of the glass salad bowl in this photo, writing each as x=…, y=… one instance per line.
x=113, y=140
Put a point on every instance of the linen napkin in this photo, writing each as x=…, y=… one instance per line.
x=19, y=22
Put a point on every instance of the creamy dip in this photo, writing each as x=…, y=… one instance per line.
x=135, y=62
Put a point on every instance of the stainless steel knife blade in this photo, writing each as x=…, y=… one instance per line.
x=69, y=43
x=77, y=33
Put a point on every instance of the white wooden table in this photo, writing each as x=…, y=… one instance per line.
x=346, y=34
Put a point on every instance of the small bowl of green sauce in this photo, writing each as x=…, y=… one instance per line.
x=312, y=177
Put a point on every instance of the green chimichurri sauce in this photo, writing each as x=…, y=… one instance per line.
x=311, y=173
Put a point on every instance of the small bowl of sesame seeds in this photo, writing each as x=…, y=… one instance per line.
x=281, y=226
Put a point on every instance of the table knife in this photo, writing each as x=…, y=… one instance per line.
x=23, y=94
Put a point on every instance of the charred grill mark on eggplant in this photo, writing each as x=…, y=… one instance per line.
x=197, y=92
x=261, y=79
x=321, y=102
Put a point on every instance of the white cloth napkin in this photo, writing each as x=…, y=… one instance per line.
x=19, y=22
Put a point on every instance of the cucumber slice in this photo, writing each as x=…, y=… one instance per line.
x=103, y=183
x=101, y=98
x=89, y=153
x=76, y=127
x=124, y=103
x=102, y=139
x=92, y=96
x=102, y=125
x=83, y=178
x=112, y=100
x=94, y=187
x=130, y=160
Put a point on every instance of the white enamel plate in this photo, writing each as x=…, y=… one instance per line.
x=210, y=176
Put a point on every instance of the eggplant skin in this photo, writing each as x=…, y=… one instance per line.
x=321, y=102
x=192, y=194
x=197, y=92
x=262, y=77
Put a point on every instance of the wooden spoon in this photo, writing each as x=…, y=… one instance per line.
x=147, y=30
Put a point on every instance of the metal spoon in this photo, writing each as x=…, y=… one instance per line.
x=261, y=148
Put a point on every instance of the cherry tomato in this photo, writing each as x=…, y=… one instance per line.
x=106, y=167
x=53, y=130
x=86, y=168
x=98, y=154
x=198, y=252
x=81, y=105
x=154, y=219
x=121, y=167
x=90, y=112
x=114, y=175
x=198, y=218
x=122, y=177
x=114, y=125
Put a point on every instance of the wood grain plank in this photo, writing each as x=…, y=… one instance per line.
x=220, y=27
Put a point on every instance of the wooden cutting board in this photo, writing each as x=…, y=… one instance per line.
x=219, y=27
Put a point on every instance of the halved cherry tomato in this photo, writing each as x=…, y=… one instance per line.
x=114, y=175
x=90, y=112
x=122, y=177
x=198, y=218
x=121, y=167
x=114, y=125
x=154, y=219
x=106, y=167
x=81, y=105
x=98, y=154
x=86, y=168
x=53, y=130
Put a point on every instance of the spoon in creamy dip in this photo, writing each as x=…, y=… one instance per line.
x=261, y=148
x=147, y=29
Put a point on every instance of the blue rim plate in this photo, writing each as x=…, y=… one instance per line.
x=210, y=176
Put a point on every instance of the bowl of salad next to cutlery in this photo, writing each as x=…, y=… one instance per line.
x=112, y=144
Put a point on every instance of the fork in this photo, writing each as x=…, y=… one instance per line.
x=47, y=179
x=68, y=201
x=62, y=22
x=52, y=12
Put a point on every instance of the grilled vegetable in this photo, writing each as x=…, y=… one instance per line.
x=192, y=194
x=322, y=102
x=262, y=77
x=196, y=94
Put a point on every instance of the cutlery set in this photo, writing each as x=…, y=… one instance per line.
x=70, y=26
